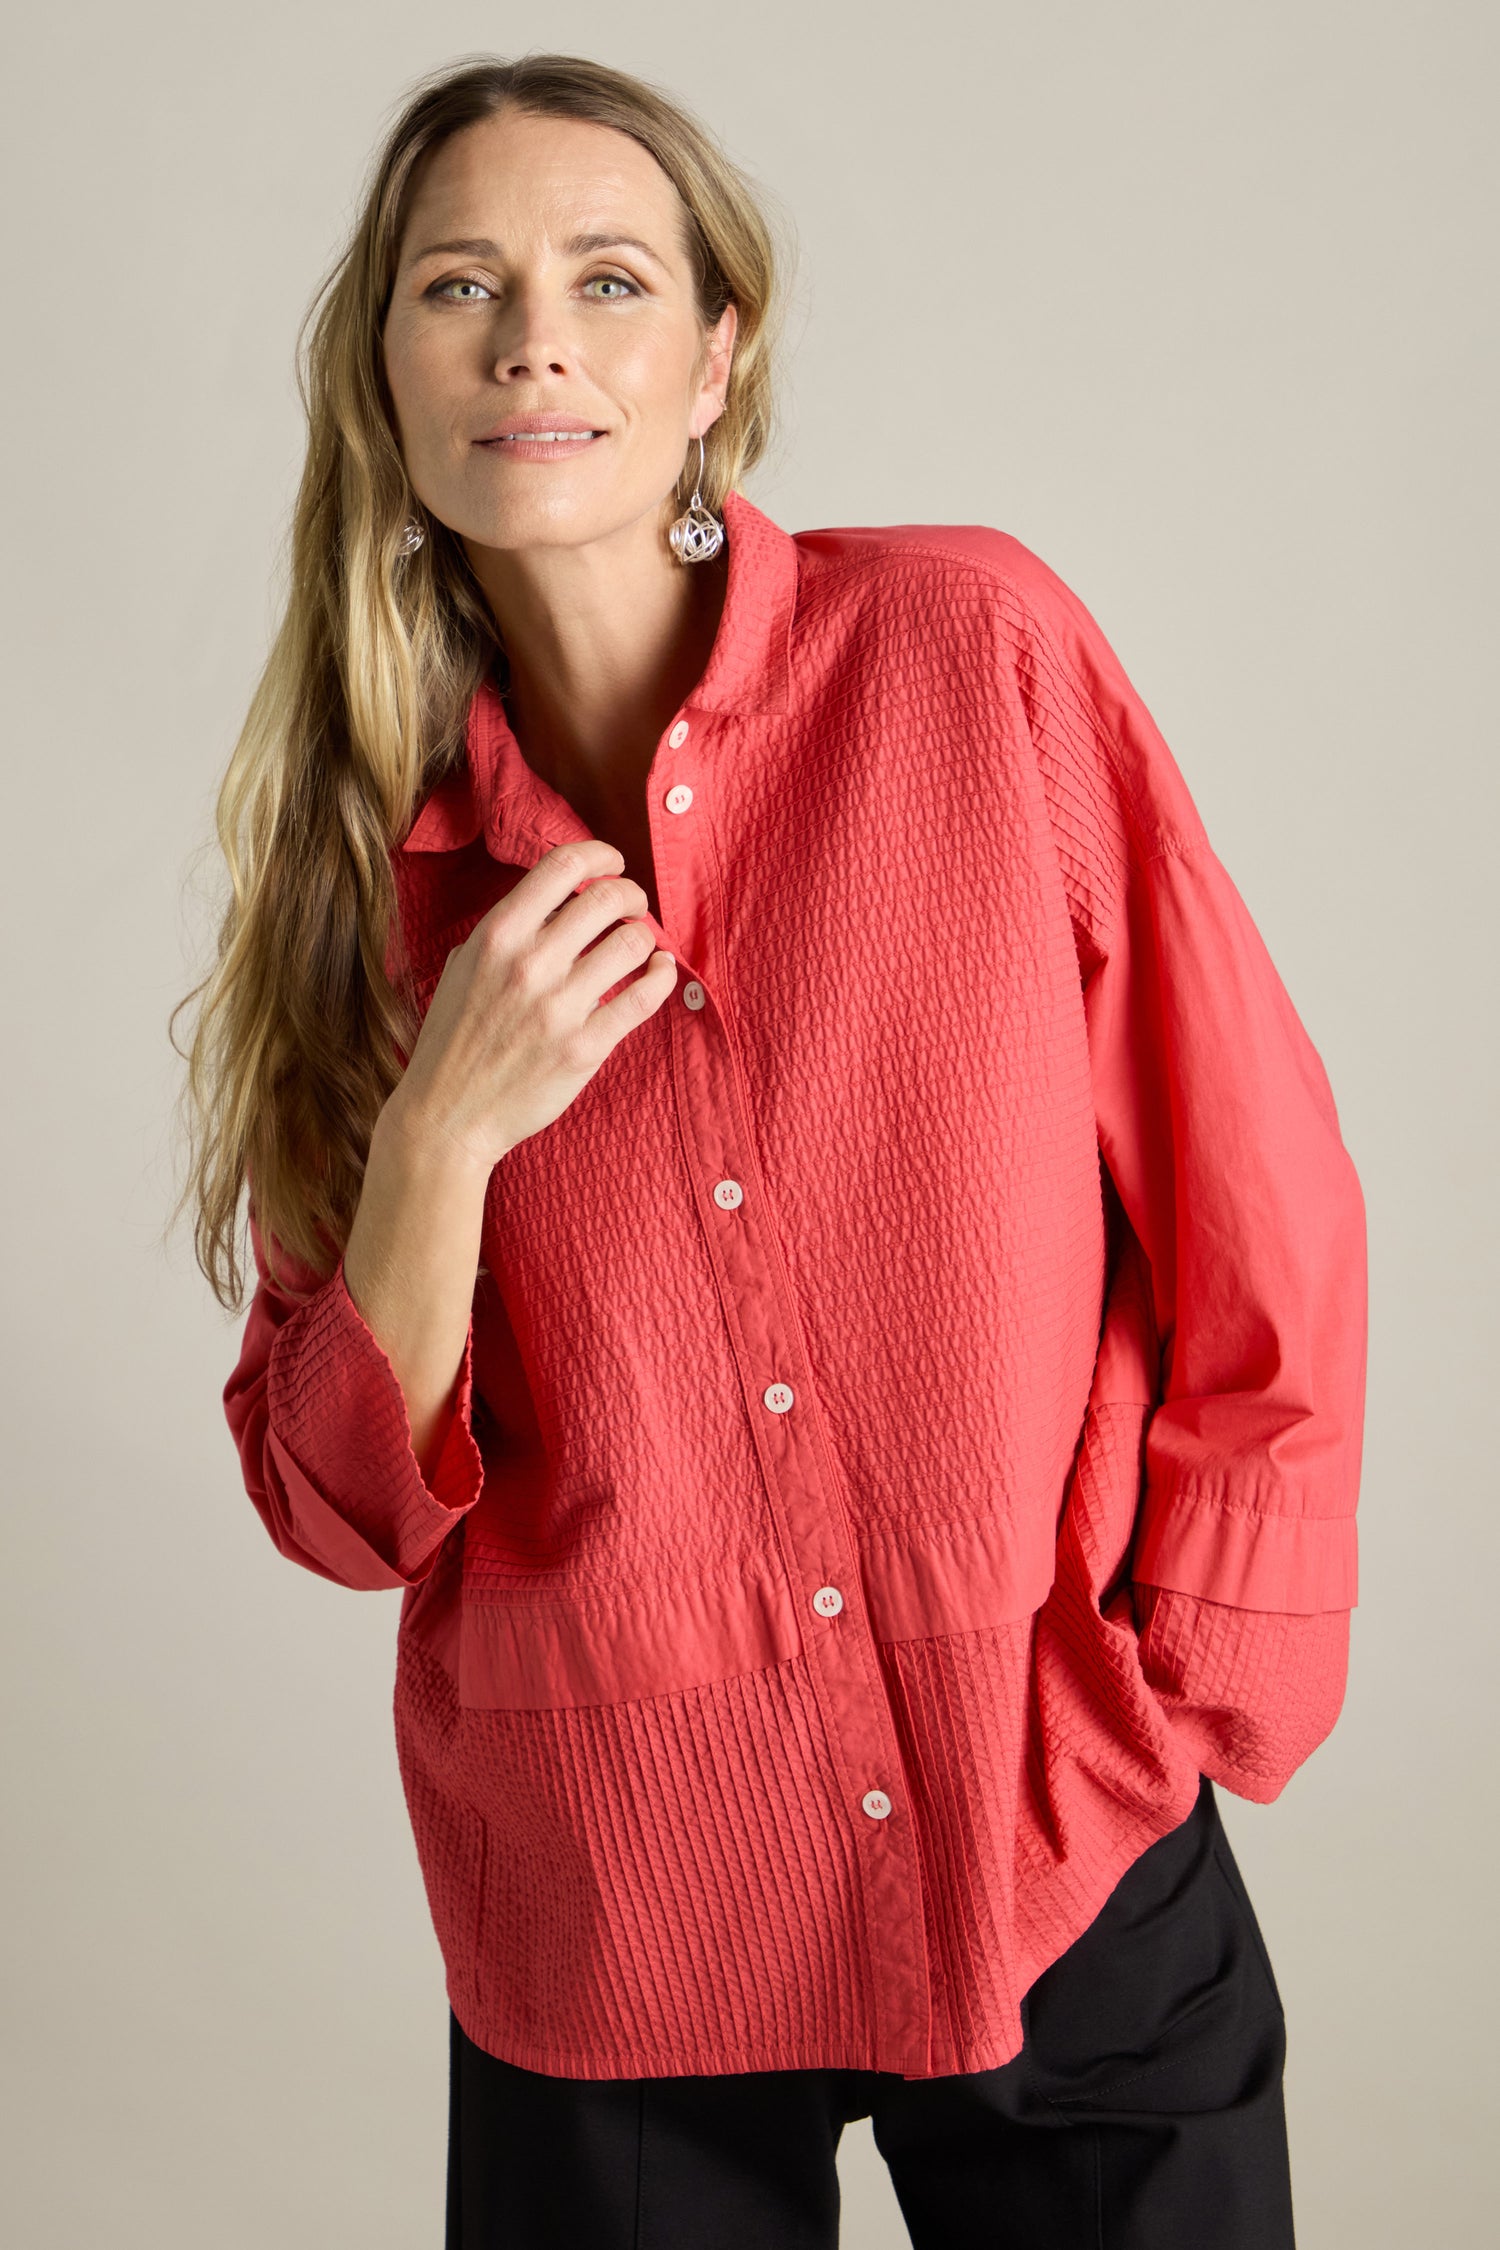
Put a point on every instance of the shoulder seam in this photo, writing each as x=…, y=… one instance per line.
x=1156, y=839
x=993, y=574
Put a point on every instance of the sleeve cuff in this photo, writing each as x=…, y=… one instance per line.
x=343, y=1440
x=1252, y=1693
x=1245, y=1557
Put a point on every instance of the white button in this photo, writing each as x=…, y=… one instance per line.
x=828, y=1601
x=876, y=1803
x=694, y=994
x=679, y=797
x=778, y=1396
x=728, y=1194
x=679, y=734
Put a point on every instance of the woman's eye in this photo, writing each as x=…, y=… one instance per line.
x=459, y=281
x=614, y=281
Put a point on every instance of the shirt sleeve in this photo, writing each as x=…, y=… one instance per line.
x=1252, y=1691
x=1219, y=1130
x=320, y=1423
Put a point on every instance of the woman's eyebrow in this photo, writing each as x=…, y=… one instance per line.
x=583, y=245
x=580, y=246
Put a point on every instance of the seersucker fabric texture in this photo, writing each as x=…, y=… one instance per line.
x=911, y=1416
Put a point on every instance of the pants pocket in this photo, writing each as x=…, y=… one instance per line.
x=1161, y=2006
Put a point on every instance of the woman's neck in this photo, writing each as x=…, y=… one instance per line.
x=602, y=643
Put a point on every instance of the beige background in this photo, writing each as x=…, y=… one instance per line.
x=1195, y=301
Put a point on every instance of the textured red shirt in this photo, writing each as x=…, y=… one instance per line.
x=911, y=1419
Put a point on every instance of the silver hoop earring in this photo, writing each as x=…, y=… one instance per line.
x=697, y=535
x=412, y=536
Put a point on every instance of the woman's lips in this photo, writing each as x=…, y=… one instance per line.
x=530, y=447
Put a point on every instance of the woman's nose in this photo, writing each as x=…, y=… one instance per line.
x=533, y=338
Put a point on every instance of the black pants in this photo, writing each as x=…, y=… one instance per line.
x=1143, y=2112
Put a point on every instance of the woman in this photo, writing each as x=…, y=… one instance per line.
x=796, y=1220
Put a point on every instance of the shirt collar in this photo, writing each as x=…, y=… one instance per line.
x=495, y=793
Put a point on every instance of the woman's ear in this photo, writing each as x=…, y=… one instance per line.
x=718, y=352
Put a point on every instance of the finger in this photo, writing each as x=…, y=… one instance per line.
x=549, y=885
x=597, y=898
x=627, y=946
x=637, y=999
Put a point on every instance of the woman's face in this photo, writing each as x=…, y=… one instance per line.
x=542, y=272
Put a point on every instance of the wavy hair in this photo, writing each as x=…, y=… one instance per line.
x=308, y=1015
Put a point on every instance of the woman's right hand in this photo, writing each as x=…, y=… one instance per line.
x=515, y=1029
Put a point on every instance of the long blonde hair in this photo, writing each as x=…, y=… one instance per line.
x=308, y=1016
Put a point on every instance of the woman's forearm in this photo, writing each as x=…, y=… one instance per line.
x=411, y=1259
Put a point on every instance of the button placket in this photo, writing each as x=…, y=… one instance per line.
x=844, y=1666
x=678, y=878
